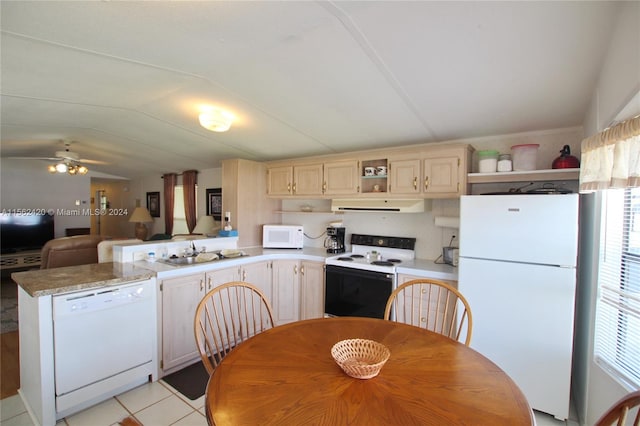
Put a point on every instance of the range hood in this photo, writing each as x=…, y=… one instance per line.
x=378, y=205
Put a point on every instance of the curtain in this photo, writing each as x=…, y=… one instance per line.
x=170, y=180
x=189, y=180
x=611, y=158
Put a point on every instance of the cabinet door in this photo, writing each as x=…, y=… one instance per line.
x=222, y=276
x=405, y=177
x=259, y=274
x=341, y=177
x=442, y=175
x=307, y=179
x=280, y=180
x=180, y=298
x=311, y=289
x=286, y=291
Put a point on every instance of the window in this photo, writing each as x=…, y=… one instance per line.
x=179, y=216
x=617, y=331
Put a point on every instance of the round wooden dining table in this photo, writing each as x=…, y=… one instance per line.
x=287, y=376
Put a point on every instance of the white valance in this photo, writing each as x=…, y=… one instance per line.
x=611, y=158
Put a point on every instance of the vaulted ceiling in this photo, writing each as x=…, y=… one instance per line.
x=125, y=81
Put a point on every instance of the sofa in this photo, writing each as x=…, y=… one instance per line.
x=70, y=251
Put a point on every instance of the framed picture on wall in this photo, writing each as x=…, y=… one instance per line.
x=214, y=203
x=153, y=203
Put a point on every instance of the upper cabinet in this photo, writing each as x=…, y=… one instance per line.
x=314, y=179
x=341, y=177
x=423, y=171
x=405, y=176
x=439, y=172
x=445, y=172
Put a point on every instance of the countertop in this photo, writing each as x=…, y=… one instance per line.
x=45, y=282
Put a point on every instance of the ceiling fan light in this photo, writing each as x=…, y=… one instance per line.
x=216, y=120
x=72, y=170
x=82, y=170
x=61, y=168
x=52, y=169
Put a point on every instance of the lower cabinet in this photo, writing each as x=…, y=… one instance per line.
x=311, y=289
x=180, y=298
x=298, y=287
x=294, y=288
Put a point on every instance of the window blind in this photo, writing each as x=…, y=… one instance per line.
x=617, y=330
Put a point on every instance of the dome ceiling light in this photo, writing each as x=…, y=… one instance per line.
x=216, y=120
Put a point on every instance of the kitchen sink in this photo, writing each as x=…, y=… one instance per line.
x=183, y=260
x=192, y=260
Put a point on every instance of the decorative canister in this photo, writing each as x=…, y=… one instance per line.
x=487, y=161
x=504, y=163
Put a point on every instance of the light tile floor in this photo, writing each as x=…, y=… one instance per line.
x=152, y=404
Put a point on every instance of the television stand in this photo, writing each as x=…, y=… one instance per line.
x=20, y=259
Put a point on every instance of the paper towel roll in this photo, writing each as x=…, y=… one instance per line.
x=447, y=222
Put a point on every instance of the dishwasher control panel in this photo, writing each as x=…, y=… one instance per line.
x=101, y=298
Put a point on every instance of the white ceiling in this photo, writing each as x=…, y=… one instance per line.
x=125, y=80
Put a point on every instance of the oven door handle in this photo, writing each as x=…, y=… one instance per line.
x=358, y=272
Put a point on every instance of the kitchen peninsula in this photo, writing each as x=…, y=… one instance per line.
x=80, y=316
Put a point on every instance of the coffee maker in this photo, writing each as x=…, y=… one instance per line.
x=334, y=243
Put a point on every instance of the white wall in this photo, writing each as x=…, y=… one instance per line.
x=619, y=81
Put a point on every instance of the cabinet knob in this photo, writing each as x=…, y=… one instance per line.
x=415, y=182
x=426, y=182
x=201, y=285
x=289, y=188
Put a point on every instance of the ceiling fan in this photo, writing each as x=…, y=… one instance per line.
x=67, y=161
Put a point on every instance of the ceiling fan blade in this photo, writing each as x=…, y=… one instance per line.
x=37, y=158
x=84, y=160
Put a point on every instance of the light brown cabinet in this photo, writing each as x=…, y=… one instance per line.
x=341, y=177
x=313, y=180
x=244, y=195
x=180, y=297
x=443, y=173
x=298, y=287
x=311, y=289
x=432, y=173
x=417, y=171
x=298, y=180
x=405, y=176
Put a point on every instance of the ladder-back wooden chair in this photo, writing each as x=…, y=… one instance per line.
x=617, y=414
x=433, y=305
x=227, y=316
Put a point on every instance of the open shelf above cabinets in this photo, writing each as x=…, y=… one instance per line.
x=525, y=176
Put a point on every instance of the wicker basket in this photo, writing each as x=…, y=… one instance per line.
x=360, y=358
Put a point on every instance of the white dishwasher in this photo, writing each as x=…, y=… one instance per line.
x=104, y=342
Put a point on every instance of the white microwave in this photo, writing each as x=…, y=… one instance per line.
x=282, y=236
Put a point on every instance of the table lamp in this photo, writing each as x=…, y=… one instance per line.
x=141, y=215
x=205, y=225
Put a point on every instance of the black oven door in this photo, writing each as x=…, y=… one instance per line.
x=356, y=293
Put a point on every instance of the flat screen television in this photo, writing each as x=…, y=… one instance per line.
x=20, y=232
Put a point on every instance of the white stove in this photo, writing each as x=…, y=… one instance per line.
x=375, y=253
x=360, y=283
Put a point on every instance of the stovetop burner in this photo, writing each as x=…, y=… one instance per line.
x=375, y=253
x=382, y=263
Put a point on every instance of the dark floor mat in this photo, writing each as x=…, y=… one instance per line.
x=191, y=381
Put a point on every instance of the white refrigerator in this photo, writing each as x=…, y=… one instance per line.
x=517, y=269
